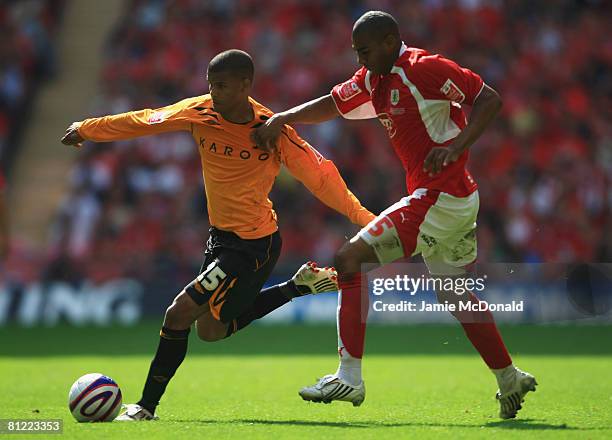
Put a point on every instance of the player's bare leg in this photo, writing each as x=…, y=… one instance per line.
x=346, y=384
x=482, y=332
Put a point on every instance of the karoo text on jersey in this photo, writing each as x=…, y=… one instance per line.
x=230, y=151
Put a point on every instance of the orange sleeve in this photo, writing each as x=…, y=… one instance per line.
x=175, y=117
x=320, y=176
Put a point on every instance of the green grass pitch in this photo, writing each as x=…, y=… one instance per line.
x=422, y=382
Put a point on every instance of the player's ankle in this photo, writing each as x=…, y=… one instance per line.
x=349, y=370
x=351, y=376
x=504, y=374
x=149, y=407
x=290, y=289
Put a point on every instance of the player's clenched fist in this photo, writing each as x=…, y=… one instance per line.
x=439, y=157
x=72, y=136
x=267, y=134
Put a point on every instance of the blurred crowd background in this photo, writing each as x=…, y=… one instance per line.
x=137, y=208
x=27, y=58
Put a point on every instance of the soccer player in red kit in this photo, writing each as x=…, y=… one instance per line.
x=418, y=98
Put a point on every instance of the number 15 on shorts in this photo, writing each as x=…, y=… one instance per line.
x=210, y=278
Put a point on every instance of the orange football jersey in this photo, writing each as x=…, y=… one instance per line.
x=238, y=176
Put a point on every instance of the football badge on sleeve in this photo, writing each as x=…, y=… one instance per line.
x=452, y=92
x=348, y=89
x=157, y=117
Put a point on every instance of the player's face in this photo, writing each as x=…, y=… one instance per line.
x=374, y=54
x=227, y=90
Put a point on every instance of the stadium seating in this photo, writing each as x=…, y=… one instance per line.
x=137, y=208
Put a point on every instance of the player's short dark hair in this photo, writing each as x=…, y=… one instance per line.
x=233, y=61
x=377, y=24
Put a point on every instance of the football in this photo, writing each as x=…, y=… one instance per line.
x=94, y=398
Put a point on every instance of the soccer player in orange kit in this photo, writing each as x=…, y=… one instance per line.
x=244, y=242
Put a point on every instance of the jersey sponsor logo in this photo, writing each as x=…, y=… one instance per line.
x=348, y=89
x=157, y=117
x=395, y=96
x=452, y=92
x=387, y=122
x=229, y=151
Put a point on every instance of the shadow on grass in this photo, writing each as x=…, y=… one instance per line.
x=523, y=424
x=528, y=424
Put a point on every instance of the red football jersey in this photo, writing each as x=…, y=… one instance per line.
x=419, y=103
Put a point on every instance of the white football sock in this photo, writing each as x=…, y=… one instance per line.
x=349, y=369
x=504, y=376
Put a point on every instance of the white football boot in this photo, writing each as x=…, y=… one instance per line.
x=331, y=387
x=135, y=413
x=512, y=393
x=310, y=279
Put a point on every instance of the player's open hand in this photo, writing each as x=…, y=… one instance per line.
x=266, y=135
x=72, y=136
x=439, y=157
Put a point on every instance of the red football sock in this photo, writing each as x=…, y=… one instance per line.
x=353, y=307
x=480, y=328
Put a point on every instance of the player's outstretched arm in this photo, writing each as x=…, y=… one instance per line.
x=321, y=177
x=485, y=108
x=175, y=117
x=313, y=112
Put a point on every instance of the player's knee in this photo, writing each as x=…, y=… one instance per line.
x=180, y=314
x=346, y=260
x=352, y=255
x=173, y=318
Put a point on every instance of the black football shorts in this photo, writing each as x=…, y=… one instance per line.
x=233, y=272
